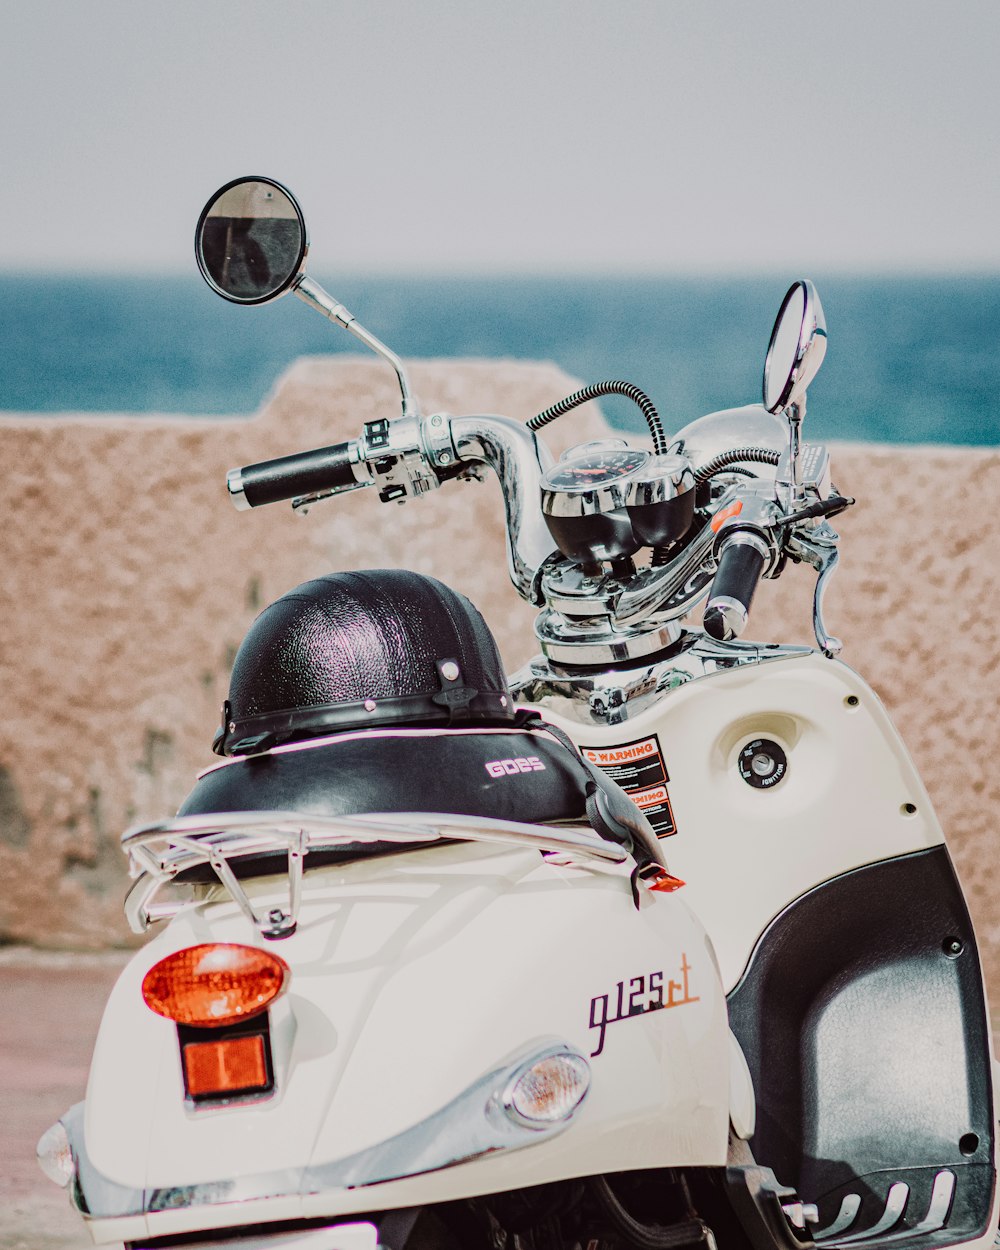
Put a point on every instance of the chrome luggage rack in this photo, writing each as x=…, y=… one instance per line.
x=158, y=853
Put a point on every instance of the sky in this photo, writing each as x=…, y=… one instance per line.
x=516, y=136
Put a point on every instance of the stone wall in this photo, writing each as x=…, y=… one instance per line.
x=129, y=581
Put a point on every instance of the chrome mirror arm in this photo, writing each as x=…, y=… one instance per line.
x=519, y=459
x=789, y=486
x=312, y=293
x=795, y=414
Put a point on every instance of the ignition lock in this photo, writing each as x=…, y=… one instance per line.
x=762, y=763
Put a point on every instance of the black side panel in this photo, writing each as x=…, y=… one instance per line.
x=863, y=1020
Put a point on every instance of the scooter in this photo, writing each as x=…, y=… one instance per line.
x=426, y=978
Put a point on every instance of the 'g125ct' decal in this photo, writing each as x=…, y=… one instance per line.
x=644, y=994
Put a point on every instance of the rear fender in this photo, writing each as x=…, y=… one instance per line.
x=415, y=979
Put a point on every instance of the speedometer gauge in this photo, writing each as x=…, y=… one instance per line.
x=583, y=499
x=596, y=465
x=605, y=500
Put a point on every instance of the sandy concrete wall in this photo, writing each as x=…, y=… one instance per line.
x=129, y=580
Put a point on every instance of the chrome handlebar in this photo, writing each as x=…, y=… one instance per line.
x=410, y=455
x=519, y=459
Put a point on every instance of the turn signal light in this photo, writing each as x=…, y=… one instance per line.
x=55, y=1155
x=549, y=1091
x=214, y=985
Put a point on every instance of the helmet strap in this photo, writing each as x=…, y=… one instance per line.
x=454, y=694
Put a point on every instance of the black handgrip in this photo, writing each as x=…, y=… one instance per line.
x=305, y=473
x=736, y=578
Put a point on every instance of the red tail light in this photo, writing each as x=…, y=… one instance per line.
x=214, y=985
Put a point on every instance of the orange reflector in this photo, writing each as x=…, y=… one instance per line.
x=723, y=515
x=212, y=985
x=225, y=1067
x=664, y=882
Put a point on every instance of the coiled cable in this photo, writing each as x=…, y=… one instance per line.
x=597, y=389
x=746, y=455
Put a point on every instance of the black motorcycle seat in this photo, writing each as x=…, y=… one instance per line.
x=509, y=774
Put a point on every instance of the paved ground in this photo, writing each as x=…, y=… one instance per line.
x=50, y=1007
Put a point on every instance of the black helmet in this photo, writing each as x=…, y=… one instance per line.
x=362, y=650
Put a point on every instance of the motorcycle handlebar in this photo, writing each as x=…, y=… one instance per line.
x=426, y=452
x=741, y=564
x=305, y=473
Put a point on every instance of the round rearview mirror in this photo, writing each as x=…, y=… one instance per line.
x=797, y=347
x=251, y=241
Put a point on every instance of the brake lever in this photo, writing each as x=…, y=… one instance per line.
x=302, y=503
x=820, y=551
x=832, y=506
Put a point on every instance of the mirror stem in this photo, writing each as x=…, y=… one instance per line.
x=312, y=293
x=795, y=413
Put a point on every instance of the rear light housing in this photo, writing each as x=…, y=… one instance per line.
x=214, y=985
x=218, y=995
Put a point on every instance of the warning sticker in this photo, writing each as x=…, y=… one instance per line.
x=639, y=769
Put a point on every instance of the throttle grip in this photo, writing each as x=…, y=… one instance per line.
x=305, y=473
x=740, y=567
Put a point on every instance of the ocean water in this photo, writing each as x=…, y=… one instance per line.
x=910, y=360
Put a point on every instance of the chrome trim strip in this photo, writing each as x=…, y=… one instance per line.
x=474, y=1124
x=941, y=1196
x=346, y=1233
x=470, y=1126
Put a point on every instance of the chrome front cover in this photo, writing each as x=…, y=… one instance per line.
x=611, y=696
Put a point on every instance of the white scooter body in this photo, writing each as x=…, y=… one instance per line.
x=850, y=796
x=413, y=977
x=793, y=1048
x=416, y=975
x=882, y=1035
